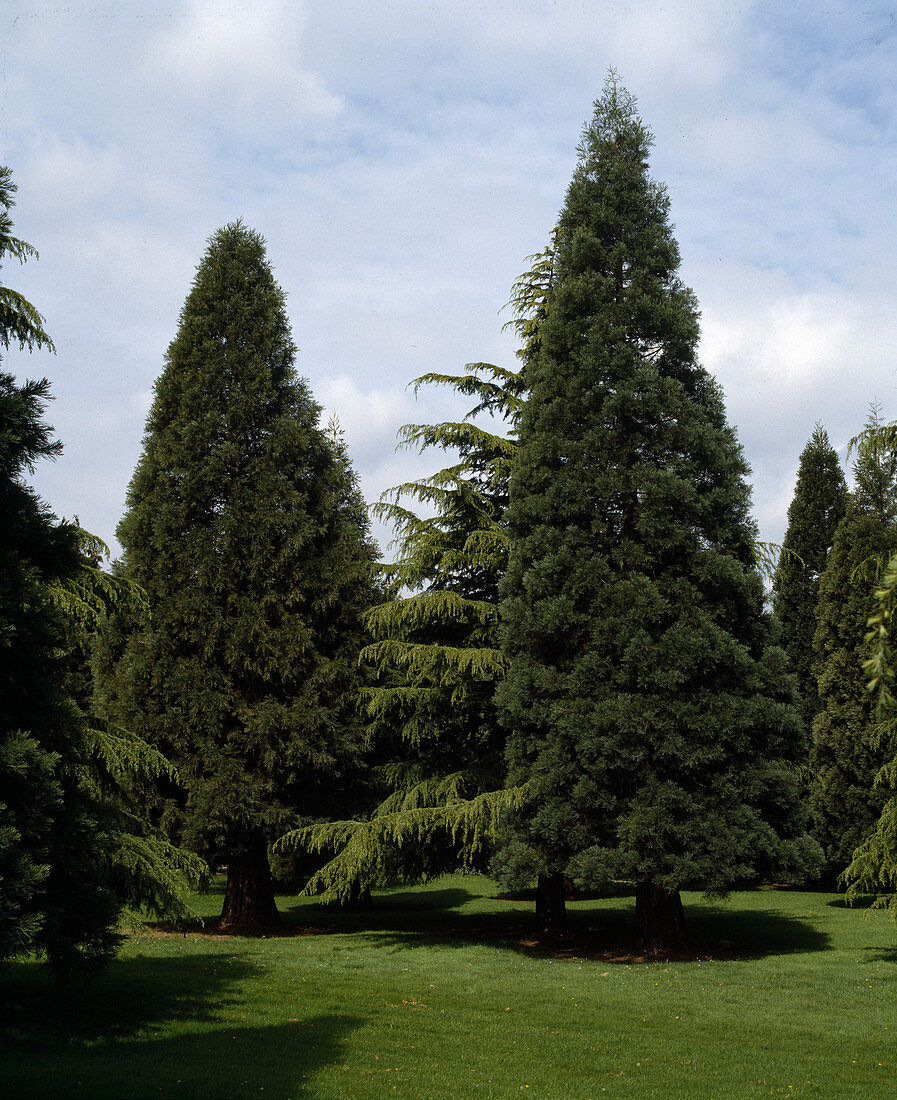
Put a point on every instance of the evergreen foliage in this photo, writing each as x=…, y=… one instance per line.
x=845, y=756
x=246, y=530
x=65, y=815
x=437, y=661
x=819, y=504
x=873, y=866
x=38, y=724
x=646, y=710
x=435, y=648
x=74, y=845
x=20, y=322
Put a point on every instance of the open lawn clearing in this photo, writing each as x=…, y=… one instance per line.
x=441, y=991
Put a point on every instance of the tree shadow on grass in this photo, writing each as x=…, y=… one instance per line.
x=864, y=901
x=393, y=910
x=276, y=1061
x=112, y=1037
x=881, y=954
x=130, y=996
x=752, y=933
x=598, y=928
x=607, y=933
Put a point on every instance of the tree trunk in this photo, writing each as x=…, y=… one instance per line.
x=249, y=896
x=551, y=908
x=659, y=919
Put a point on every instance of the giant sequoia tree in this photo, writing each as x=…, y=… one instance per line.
x=819, y=503
x=646, y=711
x=245, y=528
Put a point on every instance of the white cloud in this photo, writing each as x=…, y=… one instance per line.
x=232, y=56
x=402, y=159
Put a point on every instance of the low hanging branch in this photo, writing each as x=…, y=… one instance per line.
x=366, y=852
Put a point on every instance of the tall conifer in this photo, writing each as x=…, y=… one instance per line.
x=844, y=758
x=246, y=530
x=646, y=712
x=819, y=503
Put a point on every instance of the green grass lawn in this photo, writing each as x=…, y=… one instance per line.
x=426, y=996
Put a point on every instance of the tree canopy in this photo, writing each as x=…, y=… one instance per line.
x=646, y=711
x=845, y=754
x=439, y=747
x=20, y=322
x=819, y=503
x=245, y=528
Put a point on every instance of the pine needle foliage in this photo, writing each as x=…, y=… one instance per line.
x=647, y=712
x=412, y=836
x=873, y=865
x=436, y=659
x=74, y=846
x=45, y=834
x=122, y=773
x=246, y=530
x=818, y=505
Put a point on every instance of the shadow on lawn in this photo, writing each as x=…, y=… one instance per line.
x=604, y=931
x=108, y=1038
x=864, y=901
x=275, y=1061
x=129, y=997
x=396, y=909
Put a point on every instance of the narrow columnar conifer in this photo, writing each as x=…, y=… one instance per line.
x=651, y=720
x=246, y=530
x=845, y=757
x=818, y=505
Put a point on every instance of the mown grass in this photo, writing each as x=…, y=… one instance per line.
x=441, y=992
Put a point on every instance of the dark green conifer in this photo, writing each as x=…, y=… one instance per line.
x=819, y=503
x=844, y=759
x=73, y=847
x=39, y=730
x=245, y=528
x=647, y=714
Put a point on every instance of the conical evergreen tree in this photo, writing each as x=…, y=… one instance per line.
x=819, y=504
x=646, y=712
x=844, y=759
x=246, y=530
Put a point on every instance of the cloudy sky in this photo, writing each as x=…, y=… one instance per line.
x=403, y=157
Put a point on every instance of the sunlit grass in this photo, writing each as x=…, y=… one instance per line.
x=422, y=996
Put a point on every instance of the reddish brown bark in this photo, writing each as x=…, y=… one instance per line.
x=249, y=904
x=659, y=919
